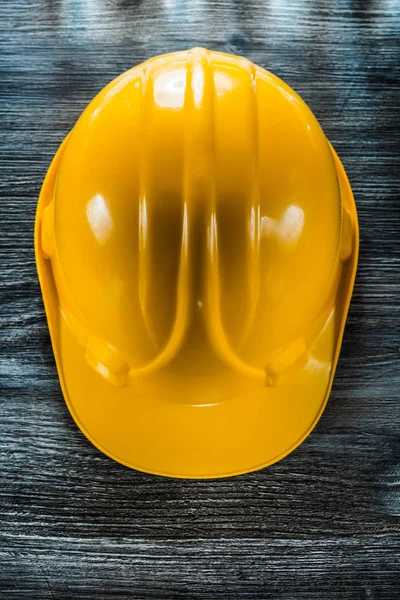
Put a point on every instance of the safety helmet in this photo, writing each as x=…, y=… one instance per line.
x=196, y=241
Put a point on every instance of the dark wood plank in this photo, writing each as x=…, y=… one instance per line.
x=323, y=523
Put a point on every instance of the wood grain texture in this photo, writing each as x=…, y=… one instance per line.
x=322, y=523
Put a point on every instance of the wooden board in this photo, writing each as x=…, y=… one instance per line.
x=321, y=524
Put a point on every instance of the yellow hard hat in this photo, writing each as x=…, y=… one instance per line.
x=196, y=241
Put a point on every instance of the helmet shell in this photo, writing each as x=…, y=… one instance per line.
x=197, y=235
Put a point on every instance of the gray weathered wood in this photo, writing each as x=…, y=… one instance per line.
x=323, y=522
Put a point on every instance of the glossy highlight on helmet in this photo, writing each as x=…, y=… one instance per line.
x=196, y=241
